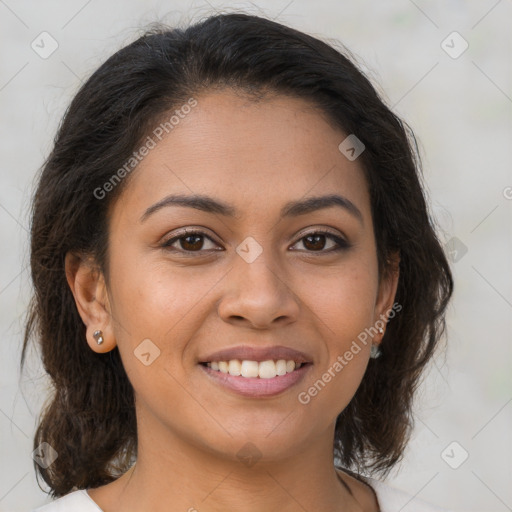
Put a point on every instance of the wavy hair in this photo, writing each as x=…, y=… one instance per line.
x=89, y=419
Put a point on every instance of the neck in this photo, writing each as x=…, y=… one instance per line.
x=177, y=476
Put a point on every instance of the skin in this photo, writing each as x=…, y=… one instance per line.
x=255, y=156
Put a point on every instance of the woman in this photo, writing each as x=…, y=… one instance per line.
x=237, y=281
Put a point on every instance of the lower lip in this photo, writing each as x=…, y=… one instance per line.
x=256, y=387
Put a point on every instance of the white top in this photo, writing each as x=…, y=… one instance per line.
x=389, y=498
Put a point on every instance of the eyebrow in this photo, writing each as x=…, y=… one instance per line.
x=290, y=209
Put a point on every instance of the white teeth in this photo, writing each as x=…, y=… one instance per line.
x=253, y=369
x=250, y=369
x=281, y=367
x=267, y=370
x=234, y=367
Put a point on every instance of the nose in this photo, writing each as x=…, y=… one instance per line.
x=258, y=296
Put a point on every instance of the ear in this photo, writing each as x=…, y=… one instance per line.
x=388, y=285
x=87, y=284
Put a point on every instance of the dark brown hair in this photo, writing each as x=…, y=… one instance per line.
x=90, y=417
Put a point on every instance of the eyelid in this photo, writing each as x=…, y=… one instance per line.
x=189, y=230
x=340, y=240
x=323, y=230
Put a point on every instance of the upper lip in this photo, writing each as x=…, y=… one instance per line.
x=259, y=354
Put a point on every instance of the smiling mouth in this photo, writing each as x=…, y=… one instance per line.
x=268, y=369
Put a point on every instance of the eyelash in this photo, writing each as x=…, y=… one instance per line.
x=341, y=243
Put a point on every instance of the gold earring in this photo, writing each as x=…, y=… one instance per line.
x=98, y=336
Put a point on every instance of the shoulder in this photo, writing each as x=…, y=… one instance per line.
x=76, y=501
x=392, y=499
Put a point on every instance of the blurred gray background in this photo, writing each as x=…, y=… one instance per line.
x=445, y=67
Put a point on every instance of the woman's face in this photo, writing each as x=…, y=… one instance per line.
x=259, y=280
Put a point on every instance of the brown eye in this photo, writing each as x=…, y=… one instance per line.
x=314, y=242
x=191, y=241
x=317, y=242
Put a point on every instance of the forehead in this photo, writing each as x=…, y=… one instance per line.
x=252, y=154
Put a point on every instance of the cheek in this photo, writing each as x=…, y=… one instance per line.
x=152, y=301
x=155, y=312
x=343, y=299
x=149, y=295
x=344, y=302
x=353, y=306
